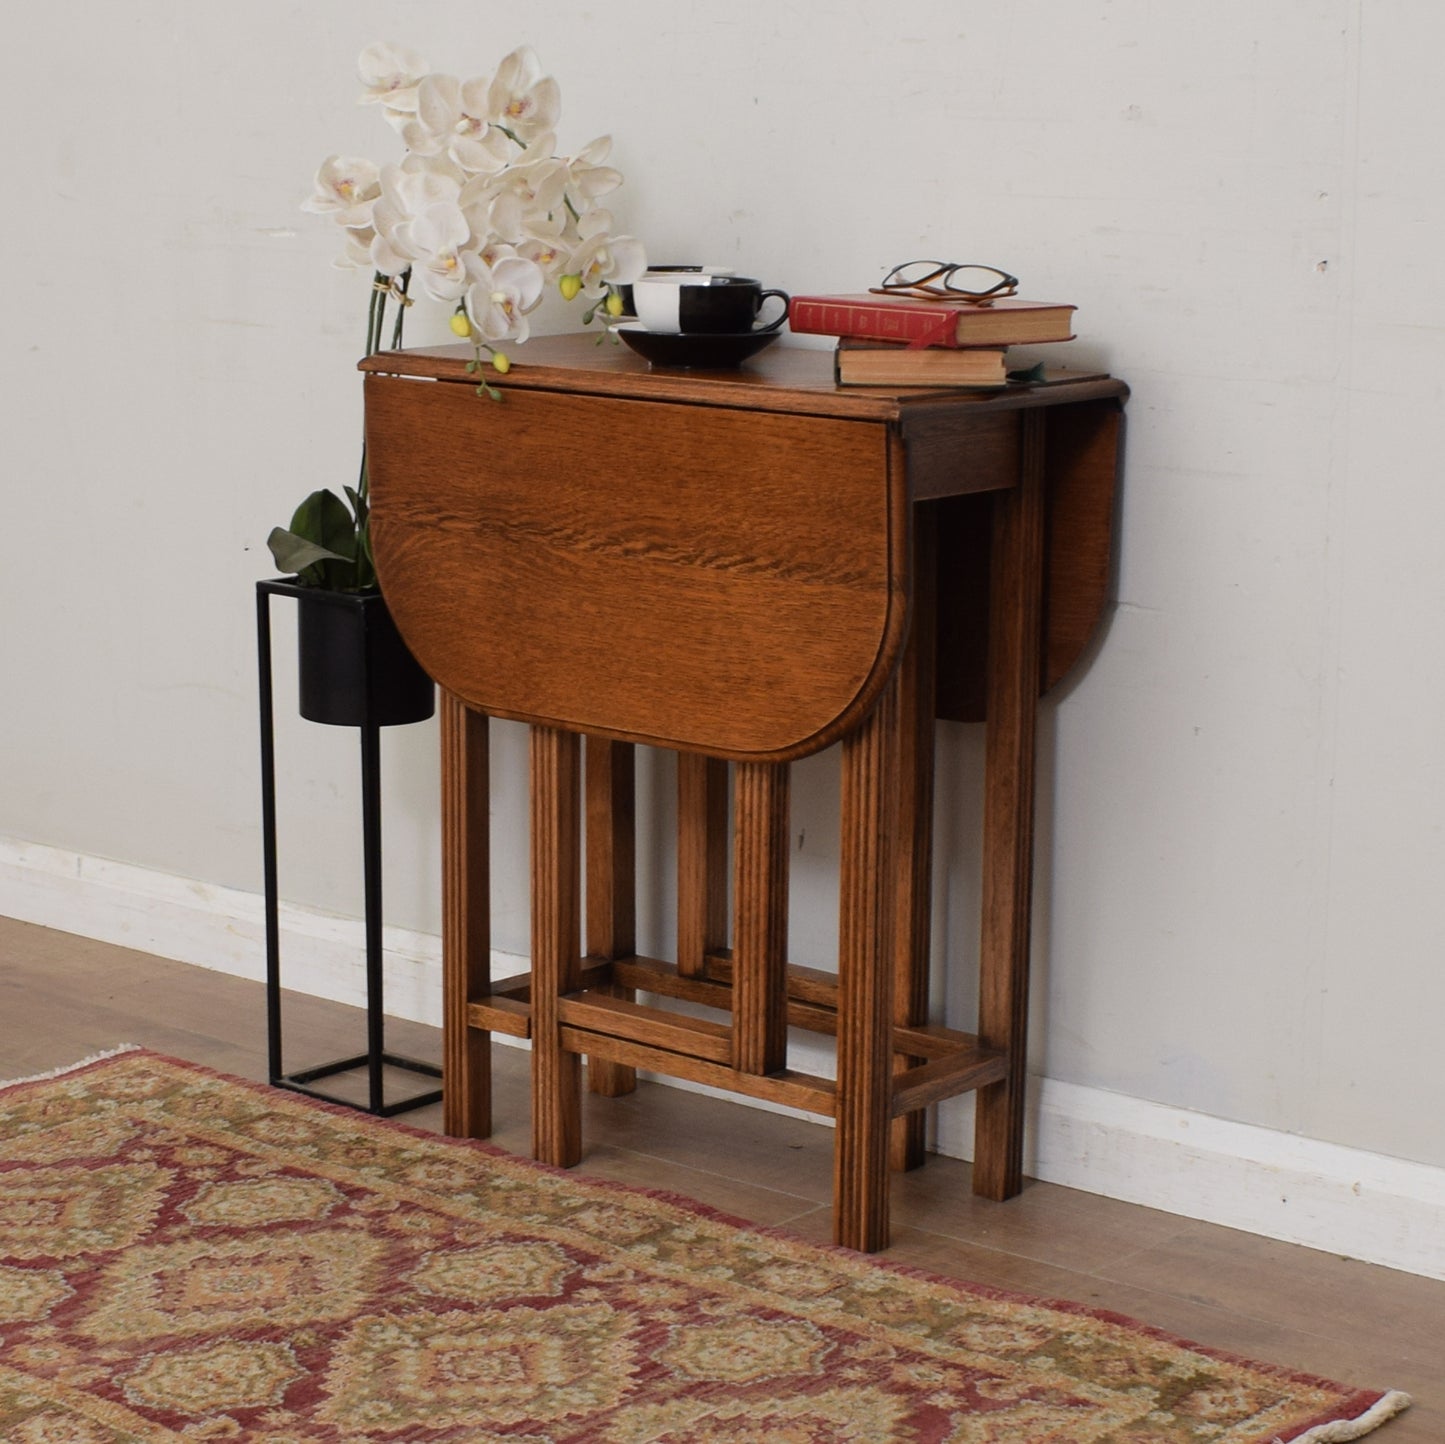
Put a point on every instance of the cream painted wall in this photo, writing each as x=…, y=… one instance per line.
x=1241, y=850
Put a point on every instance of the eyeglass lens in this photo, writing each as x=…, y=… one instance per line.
x=958, y=279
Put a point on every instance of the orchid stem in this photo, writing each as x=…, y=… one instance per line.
x=400, y=310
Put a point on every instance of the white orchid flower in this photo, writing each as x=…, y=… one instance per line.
x=407, y=194
x=440, y=164
x=521, y=98
x=602, y=259
x=493, y=251
x=507, y=216
x=451, y=120
x=427, y=129
x=357, y=253
x=588, y=178
x=346, y=189
x=481, y=148
x=385, y=257
x=495, y=206
x=538, y=186
x=436, y=240
x=391, y=74
x=501, y=295
x=550, y=255
x=481, y=209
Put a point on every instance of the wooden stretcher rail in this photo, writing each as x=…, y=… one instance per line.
x=617, y=1017
x=796, y=1090
x=947, y=1077
x=502, y=1015
x=954, y=1062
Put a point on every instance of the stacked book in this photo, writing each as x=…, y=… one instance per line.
x=900, y=340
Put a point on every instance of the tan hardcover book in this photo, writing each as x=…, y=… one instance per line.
x=873, y=363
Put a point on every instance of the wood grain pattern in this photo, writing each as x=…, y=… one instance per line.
x=1083, y=457
x=610, y=808
x=714, y=990
x=602, y=1014
x=498, y=1014
x=771, y=545
x=784, y=378
x=760, y=924
x=702, y=860
x=866, y=887
x=912, y=923
x=1015, y=664
x=555, y=759
x=466, y=917
x=946, y=1077
x=793, y=1089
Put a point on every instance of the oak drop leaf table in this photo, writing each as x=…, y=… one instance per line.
x=743, y=567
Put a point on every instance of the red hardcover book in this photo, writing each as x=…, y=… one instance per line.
x=1011, y=321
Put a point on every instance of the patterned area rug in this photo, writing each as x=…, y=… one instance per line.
x=185, y=1257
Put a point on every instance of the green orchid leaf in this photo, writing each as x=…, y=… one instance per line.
x=359, y=505
x=321, y=546
x=324, y=519
x=294, y=553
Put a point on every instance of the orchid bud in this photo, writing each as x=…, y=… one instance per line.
x=501, y=362
x=460, y=325
x=569, y=286
x=614, y=303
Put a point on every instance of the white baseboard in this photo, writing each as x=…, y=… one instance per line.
x=215, y=927
x=1347, y=1201
x=1366, y=1205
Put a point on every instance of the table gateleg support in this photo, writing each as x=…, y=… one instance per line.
x=1014, y=672
x=466, y=918
x=610, y=805
x=913, y=918
x=760, y=923
x=702, y=861
x=556, y=932
x=867, y=891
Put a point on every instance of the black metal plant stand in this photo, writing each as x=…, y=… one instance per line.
x=355, y=671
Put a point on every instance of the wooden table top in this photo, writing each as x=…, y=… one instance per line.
x=717, y=561
x=782, y=378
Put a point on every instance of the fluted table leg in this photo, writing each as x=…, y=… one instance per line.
x=556, y=938
x=913, y=918
x=760, y=927
x=466, y=918
x=1014, y=671
x=867, y=890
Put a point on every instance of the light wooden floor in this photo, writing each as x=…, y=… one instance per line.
x=63, y=998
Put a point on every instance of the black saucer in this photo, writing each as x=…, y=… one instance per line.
x=714, y=352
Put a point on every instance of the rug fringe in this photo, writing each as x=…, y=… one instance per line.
x=1342, y=1430
x=73, y=1067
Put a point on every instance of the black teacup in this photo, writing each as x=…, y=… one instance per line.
x=687, y=302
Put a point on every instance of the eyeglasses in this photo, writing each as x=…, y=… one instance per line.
x=982, y=285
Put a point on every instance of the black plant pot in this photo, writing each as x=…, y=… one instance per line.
x=354, y=666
